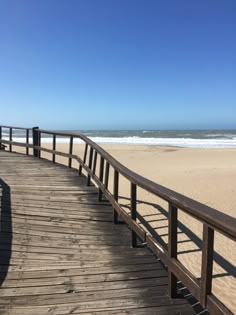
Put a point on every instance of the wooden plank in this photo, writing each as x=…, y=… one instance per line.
x=92, y=296
x=66, y=256
x=102, y=306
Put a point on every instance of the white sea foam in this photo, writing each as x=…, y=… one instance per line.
x=177, y=142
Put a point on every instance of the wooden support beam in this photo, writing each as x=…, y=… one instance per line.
x=207, y=263
x=70, y=151
x=10, y=139
x=95, y=162
x=90, y=165
x=36, y=142
x=101, y=174
x=84, y=159
x=27, y=141
x=172, y=248
x=54, y=148
x=107, y=175
x=116, y=195
x=133, y=199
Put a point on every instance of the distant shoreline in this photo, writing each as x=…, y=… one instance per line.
x=172, y=138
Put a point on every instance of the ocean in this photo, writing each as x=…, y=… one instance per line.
x=177, y=138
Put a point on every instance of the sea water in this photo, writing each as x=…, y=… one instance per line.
x=177, y=138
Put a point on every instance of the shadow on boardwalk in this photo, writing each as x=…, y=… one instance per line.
x=5, y=229
x=74, y=259
x=230, y=269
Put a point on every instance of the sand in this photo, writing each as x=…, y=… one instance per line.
x=206, y=175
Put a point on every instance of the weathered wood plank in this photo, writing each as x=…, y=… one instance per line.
x=60, y=253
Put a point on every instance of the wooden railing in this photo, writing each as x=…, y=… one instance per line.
x=212, y=219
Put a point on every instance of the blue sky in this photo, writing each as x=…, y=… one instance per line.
x=118, y=64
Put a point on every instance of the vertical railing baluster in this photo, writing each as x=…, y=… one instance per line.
x=70, y=151
x=107, y=175
x=1, y=148
x=207, y=263
x=116, y=195
x=95, y=162
x=36, y=142
x=27, y=141
x=101, y=173
x=85, y=156
x=133, y=197
x=54, y=148
x=172, y=248
x=90, y=165
x=39, y=135
x=10, y=139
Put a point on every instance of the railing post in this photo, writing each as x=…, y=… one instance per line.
x=39, y=133
x=1, y=147
x=106, y=175
x=172, y=248
x=54, y=148
x=10, y=139
x=115, y=193
x=70, y=151
x=27, y=141
x=95, y=162
x=36, y=141
x=90, y=165
x=133, y=197
x=101, y=172
x=207, y=263
x=85, y=156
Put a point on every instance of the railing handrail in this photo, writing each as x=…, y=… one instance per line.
x=22, y=128
x=213, y=217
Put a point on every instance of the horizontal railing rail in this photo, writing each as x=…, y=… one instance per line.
x=212, y=219
x=11, y=127
x=11, y=142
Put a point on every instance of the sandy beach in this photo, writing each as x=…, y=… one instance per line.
x=206, y=175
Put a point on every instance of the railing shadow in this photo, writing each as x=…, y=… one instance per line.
x=220, y=260
x=5, y=230
x=142, y=278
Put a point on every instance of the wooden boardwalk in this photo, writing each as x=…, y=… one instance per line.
x=60, y=253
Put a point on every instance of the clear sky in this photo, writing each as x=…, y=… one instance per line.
x=118, y=64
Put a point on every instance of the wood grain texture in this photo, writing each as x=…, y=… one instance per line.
x=61, y=254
